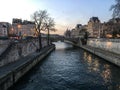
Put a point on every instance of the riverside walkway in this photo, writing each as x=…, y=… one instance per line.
x=17, y=68
x=12, y=66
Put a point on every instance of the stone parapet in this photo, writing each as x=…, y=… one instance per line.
x=112, y=45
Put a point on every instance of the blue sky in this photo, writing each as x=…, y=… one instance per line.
x=66, y=13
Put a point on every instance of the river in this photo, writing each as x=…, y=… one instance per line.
x=71, y=68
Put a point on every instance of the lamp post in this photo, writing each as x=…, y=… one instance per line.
x=12, y=31
x=19, y=31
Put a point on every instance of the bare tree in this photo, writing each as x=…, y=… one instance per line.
x=116, y=9
x=50, y=26
x=40, y=18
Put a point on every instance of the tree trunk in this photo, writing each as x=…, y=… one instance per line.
x=48, y=37
x=40, y=42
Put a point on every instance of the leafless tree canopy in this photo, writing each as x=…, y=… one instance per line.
x=116, y=9
x=43, y=21
x=50, y=24
x=40, y=18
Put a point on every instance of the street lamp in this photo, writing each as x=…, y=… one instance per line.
x=19, y=31
x=12, y=31
x=19, y=26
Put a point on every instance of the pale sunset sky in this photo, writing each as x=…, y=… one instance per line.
x=66, y=13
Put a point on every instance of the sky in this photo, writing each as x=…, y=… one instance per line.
x=66, y=13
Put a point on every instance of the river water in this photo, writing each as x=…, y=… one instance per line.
x=71, y=68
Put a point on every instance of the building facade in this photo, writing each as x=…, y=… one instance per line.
x=94, y=26
x=23, y=28
x=4, y=28
x=111, y=27
x=75, y=32
x=67, y=34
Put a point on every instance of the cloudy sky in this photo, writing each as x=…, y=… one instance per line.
x=66, y=13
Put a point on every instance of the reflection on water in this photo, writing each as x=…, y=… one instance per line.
x=106, y=74
x=94, y=65
x=69, y=68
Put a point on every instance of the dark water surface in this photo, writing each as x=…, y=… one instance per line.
x=69, y=68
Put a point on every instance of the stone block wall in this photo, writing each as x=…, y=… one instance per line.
x=3, y=45
x=14, y=74
x=20, y=49
x=112, y=45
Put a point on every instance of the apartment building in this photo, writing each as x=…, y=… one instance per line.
x=93, y=27
x=4, y=28
x=23, y=28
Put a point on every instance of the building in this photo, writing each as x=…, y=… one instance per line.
x=75, y=31
x=94, y=26
x=111, y=27
x=23, y=28
x=79, y=31
x=83, y=31
x=4, y=28
x=67, y=34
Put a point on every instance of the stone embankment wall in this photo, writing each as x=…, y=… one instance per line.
x=112, y=45
x=106, y=55
x=108, y=50
x=14, y=74
x=3, y=45
x=19, y=49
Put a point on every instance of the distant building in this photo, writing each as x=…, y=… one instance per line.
x=115, y=20
x=17, y=21
x=74, y=33
x=78, y=26
x=113, y=25
x=4, y=28
x=94, y=27
x=83, y=31
x=67, y=33
x=23, y=28
x=76, y=30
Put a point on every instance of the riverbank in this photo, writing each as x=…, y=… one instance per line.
x=71, y=68
x=107, y=55
x=11, y=73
